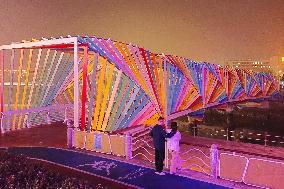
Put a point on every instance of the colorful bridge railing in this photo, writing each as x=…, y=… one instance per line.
x=115, y=85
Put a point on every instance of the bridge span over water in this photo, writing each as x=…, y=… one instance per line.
x=113, y=85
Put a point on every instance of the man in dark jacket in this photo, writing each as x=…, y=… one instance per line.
x=159, y=136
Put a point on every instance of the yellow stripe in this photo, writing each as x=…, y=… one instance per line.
x=111, y=100
x=106, y=94
x=70, y=93
x=26, y=85
x=99, y=95
x=190, y=94
x=210, y=81
x=18, y=86
x=152, y=120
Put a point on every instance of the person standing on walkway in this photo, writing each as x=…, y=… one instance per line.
x=174, y=148
x=159, y=136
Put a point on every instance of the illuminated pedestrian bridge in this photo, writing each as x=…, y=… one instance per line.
x=109, y=85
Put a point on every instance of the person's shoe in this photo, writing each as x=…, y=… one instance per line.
x=162, y=173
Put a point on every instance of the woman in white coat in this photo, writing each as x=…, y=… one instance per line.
x=174, y=148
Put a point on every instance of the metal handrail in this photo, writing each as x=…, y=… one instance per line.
x=196, y=165
x=191, y=157
x=144, y=156
x=144, y=142
x=192, y=149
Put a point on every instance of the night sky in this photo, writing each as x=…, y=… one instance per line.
x=201, y=30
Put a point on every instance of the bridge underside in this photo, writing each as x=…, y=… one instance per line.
x=113, y=85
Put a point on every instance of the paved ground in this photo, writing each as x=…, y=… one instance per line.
x=46, y=135
x=118, y=171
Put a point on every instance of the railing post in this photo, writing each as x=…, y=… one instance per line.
x=227, y=137
x=2, y=124
x=128, y=146
x=48, y=120
x=214, y=160
x=70, y=135
x=28, y=124
x=265, y=139
x=65, y=116
x=166, y=155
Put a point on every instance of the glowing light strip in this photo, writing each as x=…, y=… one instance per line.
x=105, y=95
x=18, y=86
x=93, y=90
x=25, y=87
x=99, y=95
x=111, y=101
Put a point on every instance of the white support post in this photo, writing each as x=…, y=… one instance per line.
x=214, y=160
x=76, y=86
x=2, y=83
x=128, y=146
x=166, y=154
x=12, y=63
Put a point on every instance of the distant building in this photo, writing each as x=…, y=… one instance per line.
x=277, y=64
x=254, y=65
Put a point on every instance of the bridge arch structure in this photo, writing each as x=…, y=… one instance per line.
x=108, y=85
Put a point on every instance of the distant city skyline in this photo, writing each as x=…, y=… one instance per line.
x=273, y=65
x=214, y=31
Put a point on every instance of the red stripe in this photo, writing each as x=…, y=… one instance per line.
x=149, y=73
x=2, y=80
x=84, y=89
x=57, y=46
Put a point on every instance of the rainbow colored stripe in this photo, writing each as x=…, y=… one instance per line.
x=122, y=85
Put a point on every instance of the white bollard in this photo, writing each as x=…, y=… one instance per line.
x=2, y=124
x=166, y=154
x=128, y=146
x=214, y=160
x=70, y=135
x=28, y=123
x=48, y=120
